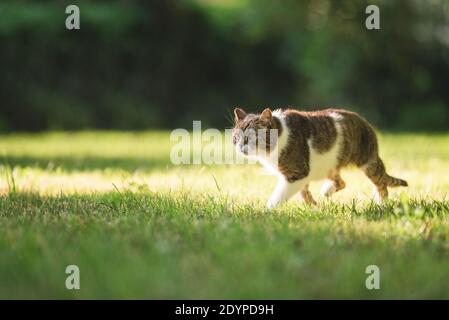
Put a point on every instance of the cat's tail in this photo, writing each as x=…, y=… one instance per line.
x=375, y=170
x=395, y=182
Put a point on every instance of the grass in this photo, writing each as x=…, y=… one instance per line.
x=139, y=227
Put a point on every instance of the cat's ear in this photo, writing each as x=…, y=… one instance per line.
x=266, y=115
x=239, y=114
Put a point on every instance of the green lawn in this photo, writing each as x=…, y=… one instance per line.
x=139, y=227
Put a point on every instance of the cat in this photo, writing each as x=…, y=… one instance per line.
x=310, y=146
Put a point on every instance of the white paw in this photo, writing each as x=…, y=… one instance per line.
x=328, y=189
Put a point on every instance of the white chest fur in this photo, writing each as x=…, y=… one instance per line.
x=270, y=162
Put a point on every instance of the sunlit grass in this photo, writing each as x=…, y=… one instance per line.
x=139, y=226
x=90, y=162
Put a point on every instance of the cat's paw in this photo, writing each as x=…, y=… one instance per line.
x=328, y=189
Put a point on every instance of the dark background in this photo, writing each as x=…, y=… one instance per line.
x=161, y=64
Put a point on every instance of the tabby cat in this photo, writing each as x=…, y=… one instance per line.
x=312, y=146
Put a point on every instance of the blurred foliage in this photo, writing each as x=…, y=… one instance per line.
x=146, y=64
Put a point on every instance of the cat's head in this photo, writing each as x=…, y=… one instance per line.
x=255, y=134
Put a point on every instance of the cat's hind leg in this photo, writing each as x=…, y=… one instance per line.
x=375, y=171
x=333, y=184
x=307, y=196
x=284, y=191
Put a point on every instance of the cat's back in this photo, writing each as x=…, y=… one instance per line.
x=357, y=136
x=325, y=120
x=324, y=129
x=319, y=128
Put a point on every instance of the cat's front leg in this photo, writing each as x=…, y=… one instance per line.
x=284, y=191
